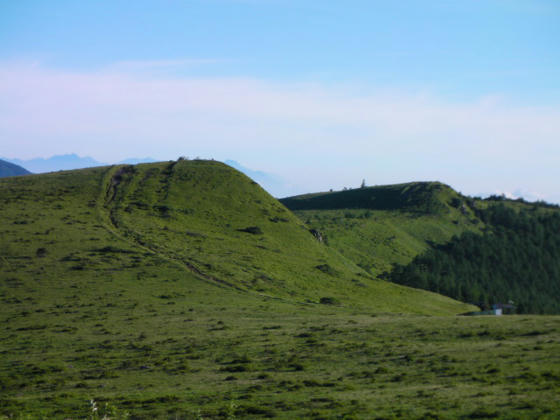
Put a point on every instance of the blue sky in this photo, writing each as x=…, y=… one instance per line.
x=320, y=93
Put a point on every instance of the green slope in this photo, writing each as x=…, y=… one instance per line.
x=378, y=227
x=202, y=217
x=223, y=226
x=418, y=197
x=105, y=295
x=428, y=236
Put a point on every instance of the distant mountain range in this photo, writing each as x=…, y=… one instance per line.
x=11, y=169
x=67, y=162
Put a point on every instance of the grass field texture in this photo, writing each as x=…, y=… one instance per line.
x=151, y=289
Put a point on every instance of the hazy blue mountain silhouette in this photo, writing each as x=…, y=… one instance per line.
x=11, y=169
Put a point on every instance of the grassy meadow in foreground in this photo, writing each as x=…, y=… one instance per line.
x=114, y=293
x=192, y=351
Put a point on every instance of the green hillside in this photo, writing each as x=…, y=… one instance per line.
x=222, y=226
x=9, y=169
x=182, y=290
x=426, y=235
x=201, y=216
x=417, y=197
x=378, y=227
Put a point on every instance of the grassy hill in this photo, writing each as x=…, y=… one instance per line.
x=426, y=235
x=183, y=290
x=378, y=227
x=9, y=169
x=418, y=197
x=222, y=226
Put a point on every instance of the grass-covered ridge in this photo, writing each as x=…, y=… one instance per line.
x=378, y=227
x=418, y=197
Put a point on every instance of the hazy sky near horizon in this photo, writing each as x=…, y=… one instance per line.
x=321, y=93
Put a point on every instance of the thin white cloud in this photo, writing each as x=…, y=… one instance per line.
x=109, y=113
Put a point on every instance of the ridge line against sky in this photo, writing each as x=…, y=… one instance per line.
x=272, y=183
x=319, y=93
